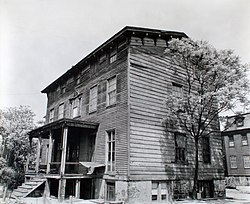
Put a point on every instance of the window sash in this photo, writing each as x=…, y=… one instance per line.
x=75, y=107
x=111, y=151
x=61, y=111
x=246, y=160
x=93, y=99
x=111, y=91
x=51, y=115
x=180, y=147
x=159, y=190
x=110, y=191
x=244, y=141
x=233, y=162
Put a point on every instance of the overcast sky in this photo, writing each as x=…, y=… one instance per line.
x=41, y=39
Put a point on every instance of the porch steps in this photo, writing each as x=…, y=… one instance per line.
x=26, y=188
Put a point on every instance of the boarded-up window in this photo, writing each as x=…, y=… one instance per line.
x=246, y=160
x=111, y=150
x=51, y=115
x=233, y=162
x=110, y=191
x=93, y=99
x=111, y=91
x=206, y=150
x=61, y=111
x=180, y=147
x=231, y=141
x=244, y=141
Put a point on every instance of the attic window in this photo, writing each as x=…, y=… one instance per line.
x=113, y=56
x=102, y=58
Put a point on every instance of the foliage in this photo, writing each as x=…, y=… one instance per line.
x=213, y=81
x=7, y=177
x=15, y=123
x=3, y=163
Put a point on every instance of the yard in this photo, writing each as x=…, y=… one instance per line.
x=239, y=195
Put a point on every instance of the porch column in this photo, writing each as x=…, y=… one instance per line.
x=38, y=152
x=62, y=181
x=49, y=152
x=78, y=186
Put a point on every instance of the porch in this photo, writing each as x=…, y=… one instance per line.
x=65, y=156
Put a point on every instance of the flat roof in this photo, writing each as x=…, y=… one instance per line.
x=126, y=31
x=64, y=122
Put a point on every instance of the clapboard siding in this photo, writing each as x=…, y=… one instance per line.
x=152, y=149
x=109, y=118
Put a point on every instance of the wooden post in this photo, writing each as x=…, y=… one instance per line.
x=38, y=152
x=49, y=153
x=62, y=181
x=78, y=186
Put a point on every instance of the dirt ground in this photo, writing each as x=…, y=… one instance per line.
x=240, y=195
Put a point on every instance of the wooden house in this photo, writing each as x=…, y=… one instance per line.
x=237, y=149
x=105, y=137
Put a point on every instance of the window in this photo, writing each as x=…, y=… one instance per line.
x=246, y=161
x=111, y=151
x=206, y=150
x=244, y=141
x=75, y=104
x=233, y=162
x=102, y=58
x=239, y=121
x=177, y=90
x=180, y=147
x=93, y=99
x=61, y=111
x=51, y=115
x=111, y=91
x=159, y=191
x=112, y=57
x=63, y=89
x=231, y=141
x=110, y=191
x=78, y=80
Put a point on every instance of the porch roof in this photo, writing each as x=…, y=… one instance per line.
x=64, y=122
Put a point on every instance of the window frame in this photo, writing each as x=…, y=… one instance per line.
x=246, y=162
x=206, y=153
x=231, y=141
x=75, y=104
x=113, y=56
x=159, y=191
x=110, y=91
x=239, y=121
x=61, y=114
x=112, y=185
x=110, y=151
x=177, y=90
x=180, y=152
x=52, y=115
x=233, y=162
x=91, y=99
x=244, y=142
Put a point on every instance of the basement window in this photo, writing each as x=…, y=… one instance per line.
x=159, y=191
x=110, y=191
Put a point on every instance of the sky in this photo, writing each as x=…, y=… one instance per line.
x=42, y=39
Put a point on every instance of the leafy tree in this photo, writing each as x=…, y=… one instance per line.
x=7, y=178
x=15, y=123
x=213, y=81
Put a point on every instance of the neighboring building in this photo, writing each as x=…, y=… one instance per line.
x=237, y=149
x=104, y=136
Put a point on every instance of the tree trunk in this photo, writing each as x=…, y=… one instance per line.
x=196, y=170
x=4, y=193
